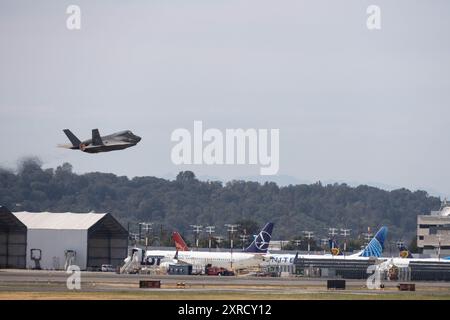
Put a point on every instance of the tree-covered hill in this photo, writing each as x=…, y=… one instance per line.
x=185, y=201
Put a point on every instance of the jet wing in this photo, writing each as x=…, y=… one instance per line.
x=96, y=139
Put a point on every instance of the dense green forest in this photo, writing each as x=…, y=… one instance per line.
x=177, y=204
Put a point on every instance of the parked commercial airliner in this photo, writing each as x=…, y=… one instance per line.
x=373, y=249
x=250, y=257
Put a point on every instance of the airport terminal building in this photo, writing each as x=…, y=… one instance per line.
x=433, y=232
x=46, y=240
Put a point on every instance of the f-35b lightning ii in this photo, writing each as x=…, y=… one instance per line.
x=116, y=141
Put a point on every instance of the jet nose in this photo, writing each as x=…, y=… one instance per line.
x=137, y=138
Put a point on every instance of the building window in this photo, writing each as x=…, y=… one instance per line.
x=420, y=237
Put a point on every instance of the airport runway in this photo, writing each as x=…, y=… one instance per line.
x=17, y=283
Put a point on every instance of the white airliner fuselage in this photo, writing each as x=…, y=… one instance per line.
x=289, y=258
x=228, y=260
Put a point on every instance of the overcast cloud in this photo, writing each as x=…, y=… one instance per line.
x=351, y=104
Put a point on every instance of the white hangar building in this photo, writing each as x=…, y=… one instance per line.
x=89, y=239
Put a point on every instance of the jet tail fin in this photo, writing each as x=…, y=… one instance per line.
x=73, y=139
x=180, y=245
x=96, y=139
x=296, y=258
x=261, y=242
x=376, y=245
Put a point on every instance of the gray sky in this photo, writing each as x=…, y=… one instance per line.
x=351, y=104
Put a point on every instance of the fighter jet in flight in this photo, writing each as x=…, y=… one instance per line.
x=116, y=141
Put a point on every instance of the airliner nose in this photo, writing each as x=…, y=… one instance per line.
x=138, y=139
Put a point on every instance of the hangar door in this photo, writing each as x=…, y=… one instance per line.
x=107, y=243
x=13, y=240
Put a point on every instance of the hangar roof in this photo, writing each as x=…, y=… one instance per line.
x=9, y=222
x=62, y=221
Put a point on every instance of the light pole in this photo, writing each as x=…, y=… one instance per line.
x=210, y=230
x=197, y=229
x=345, y=233
x=231, y=228
x=309, y=235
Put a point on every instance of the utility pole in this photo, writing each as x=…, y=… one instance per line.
x=161, y=234
x=146, y=226
x=297, y=242
x=244, y=238
x=345, y=233
x=368, y=235
x=332, y=232
x=210, y=230
x=219, y=240
x=309, y=235
x=439, y=246
x=399, y=244
x=134, y=237
x=139, y=232
x=231, y=228
x=324, y=242
x=197, y=229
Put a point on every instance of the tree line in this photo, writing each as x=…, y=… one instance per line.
x=178, y=204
